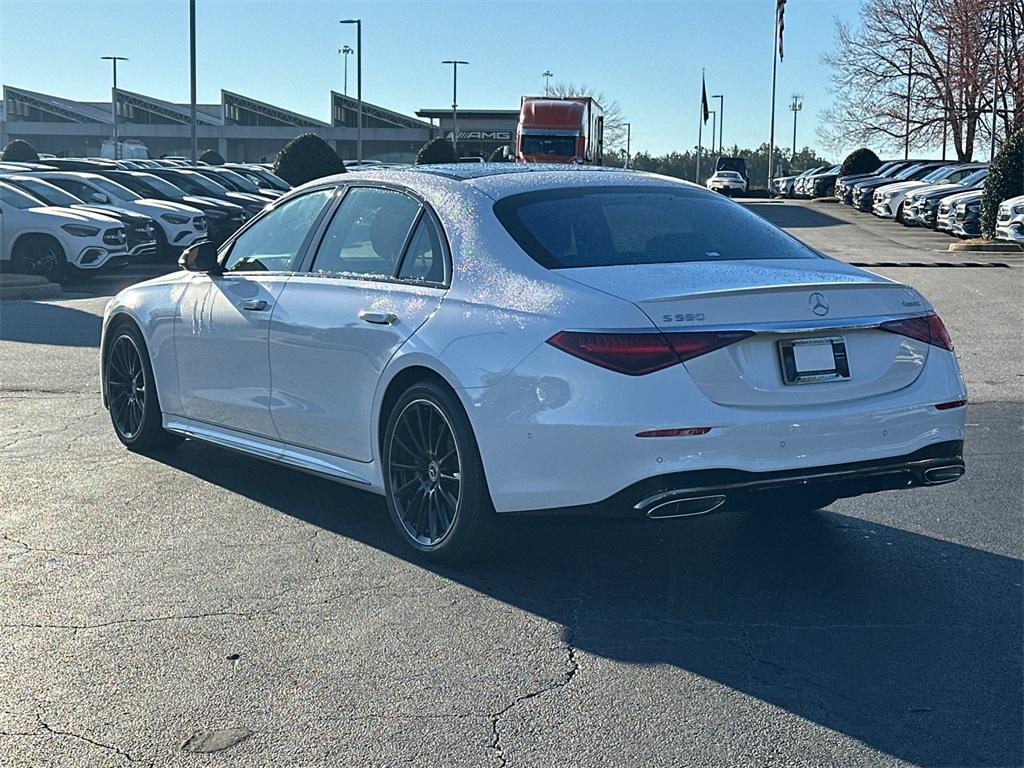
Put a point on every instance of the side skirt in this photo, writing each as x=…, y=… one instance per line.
x=323, y=465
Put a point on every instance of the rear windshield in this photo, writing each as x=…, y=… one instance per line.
x=616, y=226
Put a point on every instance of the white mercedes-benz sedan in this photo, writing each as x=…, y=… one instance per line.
x=479, y=340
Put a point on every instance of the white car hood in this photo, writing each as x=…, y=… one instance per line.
x=900, y=186
x=61, y=216
x=165, y=206
x=960, y=196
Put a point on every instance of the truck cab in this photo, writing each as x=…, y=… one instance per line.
x=560, y=130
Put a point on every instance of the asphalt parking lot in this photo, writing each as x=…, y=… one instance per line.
x=209, y=609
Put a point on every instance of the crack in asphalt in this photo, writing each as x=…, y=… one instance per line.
x=248, y=615
x=46, y=728
x=572, y=667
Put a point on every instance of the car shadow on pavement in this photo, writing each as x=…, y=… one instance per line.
x=33, y=322
x=907, y=643
x=793, y=216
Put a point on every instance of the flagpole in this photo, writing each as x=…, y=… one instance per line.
x=700, y=126
x=771, y=138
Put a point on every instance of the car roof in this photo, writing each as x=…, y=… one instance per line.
x=498, y=180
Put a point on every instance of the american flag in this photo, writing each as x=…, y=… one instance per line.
x=780, y=22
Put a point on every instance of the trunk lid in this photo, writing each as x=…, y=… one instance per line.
x=784, y=301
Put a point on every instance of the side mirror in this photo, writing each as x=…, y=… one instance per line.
x=99, y=197
x=201, y=257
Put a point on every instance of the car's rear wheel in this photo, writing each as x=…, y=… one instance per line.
x=131, y=393
x=433, y=475
x=39, y=255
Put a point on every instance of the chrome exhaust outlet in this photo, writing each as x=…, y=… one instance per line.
x=939, y=475
x=685, y=507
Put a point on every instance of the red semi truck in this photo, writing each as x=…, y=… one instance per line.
x=560, y=130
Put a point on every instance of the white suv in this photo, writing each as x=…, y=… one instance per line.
x=1010, y=220
x=727, y=182
x=44, y=240
x=179, y=225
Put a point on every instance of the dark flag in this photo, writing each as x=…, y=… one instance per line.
x=780, y=22
x=704, y=99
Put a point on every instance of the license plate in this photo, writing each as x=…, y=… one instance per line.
x=814, y=361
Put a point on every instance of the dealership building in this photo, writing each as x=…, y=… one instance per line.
x=239, y=127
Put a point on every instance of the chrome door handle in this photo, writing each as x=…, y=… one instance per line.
x=378, y=318
x=253, y=305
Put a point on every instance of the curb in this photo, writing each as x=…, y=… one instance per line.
x=27, y=287
x=986, y=247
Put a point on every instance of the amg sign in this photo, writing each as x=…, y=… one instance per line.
x=482, y=135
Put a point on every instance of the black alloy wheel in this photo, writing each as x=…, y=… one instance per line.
x=131, y=393
x=425, y=472
x=434, y=482
x=41, y=256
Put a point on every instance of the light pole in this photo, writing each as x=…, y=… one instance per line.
x=359, y=84
x=714, y=130
x=113, y=97
x=721, y=118
x=346, y=51
x=547, y=75
x=629, y=127
x=455, y=100
x=796, y=105
x=193, y=125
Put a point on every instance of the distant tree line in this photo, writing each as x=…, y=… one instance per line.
x=683, y=165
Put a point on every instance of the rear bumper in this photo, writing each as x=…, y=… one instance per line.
x=687, y=494
x=560, y=434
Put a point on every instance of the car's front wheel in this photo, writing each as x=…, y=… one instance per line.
x=433, y=475
x=39, y=255
x=131, y=393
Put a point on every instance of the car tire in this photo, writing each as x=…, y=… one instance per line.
x=899, y=215
x=433, y=476
x=39, y=255
x=163, y=248
x=131, y=393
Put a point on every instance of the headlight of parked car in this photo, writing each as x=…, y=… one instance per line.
x=174, y=218
x=80, y=230
x=1017, y=210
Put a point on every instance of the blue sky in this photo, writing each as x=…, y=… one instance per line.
x=646, y=55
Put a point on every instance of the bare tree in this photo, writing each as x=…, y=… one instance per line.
x=956, y=56
x=614, y=122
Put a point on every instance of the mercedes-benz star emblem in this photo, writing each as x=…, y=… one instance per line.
x=819, y=304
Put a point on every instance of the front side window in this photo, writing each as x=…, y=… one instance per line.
x=114, y=190
x=272, y=243
x=82, y=191
x=619, y=226
x=367, y=234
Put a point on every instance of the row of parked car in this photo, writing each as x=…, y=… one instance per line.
x=73, y=217
x=938, y=194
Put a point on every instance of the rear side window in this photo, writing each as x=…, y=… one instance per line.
x=617, y=226
x=368, y=233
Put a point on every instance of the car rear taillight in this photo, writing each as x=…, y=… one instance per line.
x=631, y=353
x=928, y=328
x=636, y=354
x=697, y=343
